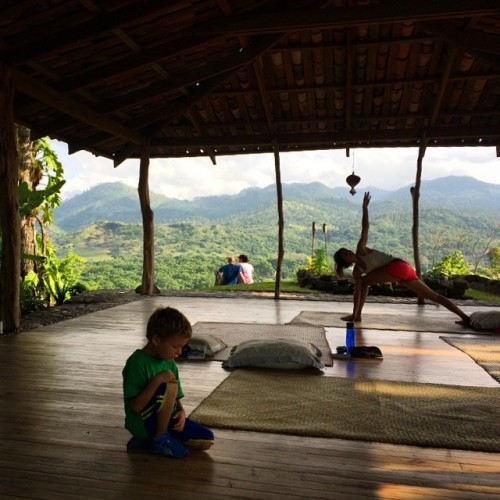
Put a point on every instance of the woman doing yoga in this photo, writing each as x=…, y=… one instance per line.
x=372, y=267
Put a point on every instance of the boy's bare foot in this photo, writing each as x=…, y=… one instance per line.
x=349, y=317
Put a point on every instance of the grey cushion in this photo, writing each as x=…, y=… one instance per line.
x=275, y=353
x=203, y=345
x=485, y=320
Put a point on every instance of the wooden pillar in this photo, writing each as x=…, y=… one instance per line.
x=147, y=286
x=281, y=222
x=415, y=194
x=10, y=223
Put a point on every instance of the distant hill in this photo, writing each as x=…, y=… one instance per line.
x=192, y=238
x=455, y=193
x=116, y=202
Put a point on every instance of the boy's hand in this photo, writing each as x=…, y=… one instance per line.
x=366, y=199
x=180, y=418
x=166, y=376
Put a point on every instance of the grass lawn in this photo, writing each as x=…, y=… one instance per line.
x=472, y=293
x=289, y=286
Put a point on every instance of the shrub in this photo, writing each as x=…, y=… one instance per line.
x=450, y=265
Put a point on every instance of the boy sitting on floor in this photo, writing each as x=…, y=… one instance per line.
x=152, y=391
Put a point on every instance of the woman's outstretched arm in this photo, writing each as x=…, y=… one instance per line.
x=365, y=226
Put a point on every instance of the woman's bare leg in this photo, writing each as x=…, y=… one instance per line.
x=356, y=298
x=361, y=291
x=420, y=288
x=372, y=278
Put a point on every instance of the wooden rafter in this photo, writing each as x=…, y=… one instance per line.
x=380, y=13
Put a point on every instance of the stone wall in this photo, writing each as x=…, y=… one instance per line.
x=451, y=288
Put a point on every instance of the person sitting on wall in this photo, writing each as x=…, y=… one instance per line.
x=248, y=269
x=231, y=272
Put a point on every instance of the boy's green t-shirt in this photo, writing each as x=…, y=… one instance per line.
x=139, y=369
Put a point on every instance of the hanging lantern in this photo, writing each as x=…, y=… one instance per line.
x=353, y=180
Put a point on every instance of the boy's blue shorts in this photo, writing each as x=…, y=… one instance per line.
x=192, y=431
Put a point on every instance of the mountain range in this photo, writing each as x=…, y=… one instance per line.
x=192, y=238
x=116, y=202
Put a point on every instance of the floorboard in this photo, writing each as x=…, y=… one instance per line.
x=61, y=417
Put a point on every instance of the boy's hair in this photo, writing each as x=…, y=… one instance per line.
x=168, y=322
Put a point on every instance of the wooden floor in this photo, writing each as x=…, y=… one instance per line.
x=61, y=417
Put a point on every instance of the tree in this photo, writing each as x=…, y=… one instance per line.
x=30, y=176
x=494, y=258
x=37, y=163
x=43, y=276
x=485, y=247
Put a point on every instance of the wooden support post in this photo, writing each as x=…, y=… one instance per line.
x=10, y=222
x=281, y=222
x=415, y=194
x=313, y=238
x=147, y=286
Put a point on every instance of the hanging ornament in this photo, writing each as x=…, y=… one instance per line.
x=353, y=179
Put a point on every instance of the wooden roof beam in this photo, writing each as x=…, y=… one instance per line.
x=388, y=136
x=69, y=36
x=70, y=107
x=58, y=125
x=482, y=46
x=348, y=81
x=133, y=62
x=94, y=140
x=257, y=69
x=468, y=40
x=192, y=77
x=147, y=57
x=213, y=80
x=383, y=12
x=261, y=83
x=445, y=80
x=199, y=128
x=151, y=122
x=365, y=85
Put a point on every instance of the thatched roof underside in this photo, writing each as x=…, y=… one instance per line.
x=224, y=77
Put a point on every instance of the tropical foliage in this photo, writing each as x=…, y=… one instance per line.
x=450, y=266
x=45, y=279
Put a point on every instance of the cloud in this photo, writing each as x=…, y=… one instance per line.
x=188, y=178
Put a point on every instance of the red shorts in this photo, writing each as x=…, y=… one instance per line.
x=402, y=271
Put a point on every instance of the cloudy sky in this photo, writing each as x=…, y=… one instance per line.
x=189, y=178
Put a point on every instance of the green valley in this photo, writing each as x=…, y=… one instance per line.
x=193, y=238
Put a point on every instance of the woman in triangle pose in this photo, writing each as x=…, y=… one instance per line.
x=373, y=267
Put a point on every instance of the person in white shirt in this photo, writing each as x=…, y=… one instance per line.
x=248, y=269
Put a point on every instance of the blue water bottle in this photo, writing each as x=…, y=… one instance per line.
x=350, y=336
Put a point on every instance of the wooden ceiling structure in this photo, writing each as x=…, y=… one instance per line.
x=223, y=77
x=184, y=78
